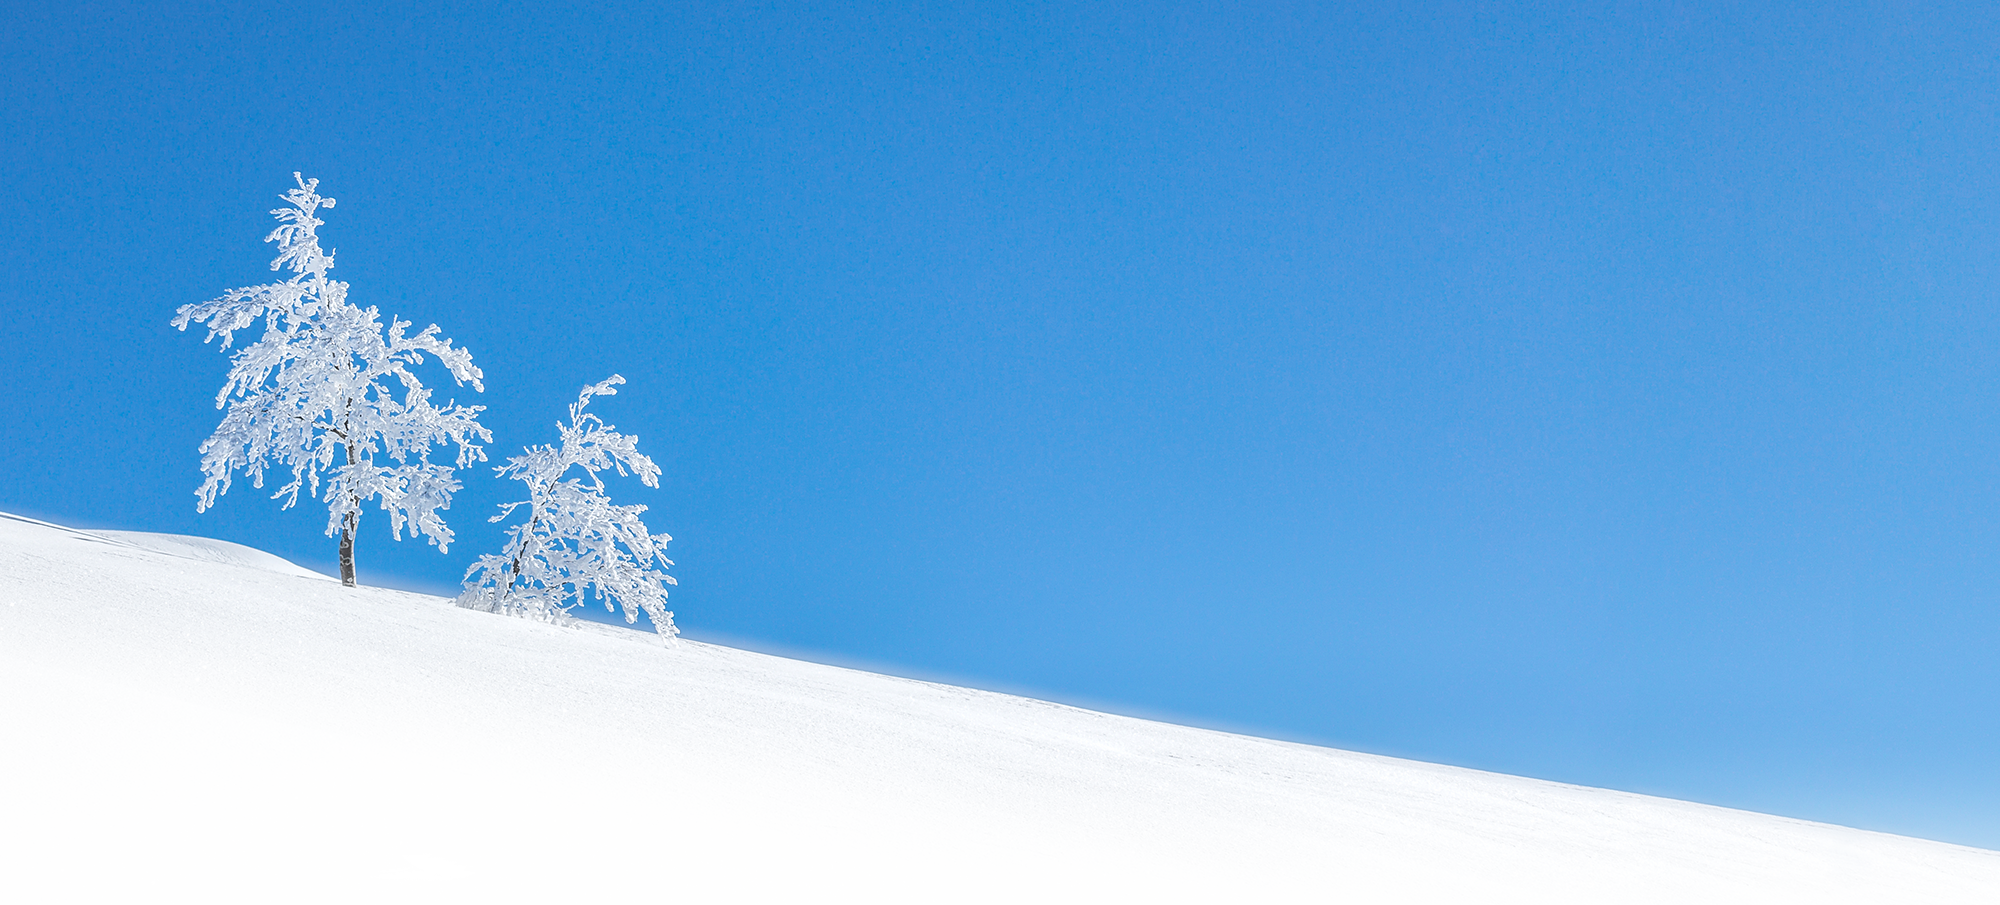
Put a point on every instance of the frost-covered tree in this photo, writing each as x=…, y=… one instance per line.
x=328, y=394
x=575, y=542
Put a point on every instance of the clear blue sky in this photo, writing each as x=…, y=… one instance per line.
x=1605, y=396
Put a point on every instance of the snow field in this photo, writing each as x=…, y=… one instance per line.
x=218, y=728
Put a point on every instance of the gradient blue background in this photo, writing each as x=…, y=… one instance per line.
x=1605, y=396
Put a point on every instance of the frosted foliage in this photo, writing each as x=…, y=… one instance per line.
x=327, y=394
x=575, y=542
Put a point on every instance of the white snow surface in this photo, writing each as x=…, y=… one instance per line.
x=211, y=550
x=185, y=726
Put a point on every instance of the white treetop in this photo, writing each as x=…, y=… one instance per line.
x=329, y=395
x=575, y=541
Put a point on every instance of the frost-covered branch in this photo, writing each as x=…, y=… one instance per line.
x=298, y=249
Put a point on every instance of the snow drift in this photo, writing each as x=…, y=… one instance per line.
x=185, y=718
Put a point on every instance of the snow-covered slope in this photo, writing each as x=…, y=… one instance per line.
x=176, y=727
x=211, y=550
x=206, y=549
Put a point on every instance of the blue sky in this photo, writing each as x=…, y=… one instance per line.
x=1605, y=396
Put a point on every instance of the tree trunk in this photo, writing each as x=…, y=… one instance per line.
x=514, y=568
x=353, y=519
x=347, y=551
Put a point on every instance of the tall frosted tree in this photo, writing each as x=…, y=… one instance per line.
x=327, y=394
x=575, y=543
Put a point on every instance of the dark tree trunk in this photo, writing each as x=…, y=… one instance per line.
x=353, y=519
x=514, y=568
x=347, y=551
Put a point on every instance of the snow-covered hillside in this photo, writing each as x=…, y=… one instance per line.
x=225, y=726
x=210, y=550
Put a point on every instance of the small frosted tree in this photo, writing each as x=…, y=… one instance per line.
x=328, y=394
x=575, y=543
